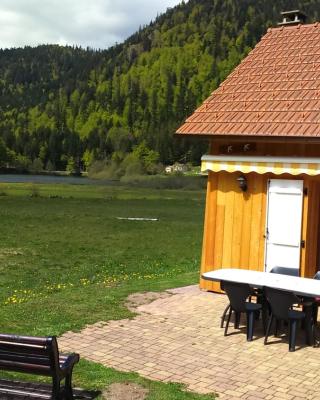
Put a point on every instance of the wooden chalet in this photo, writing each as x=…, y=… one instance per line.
x=263, y=123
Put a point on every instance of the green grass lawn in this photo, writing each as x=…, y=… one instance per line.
x=67, y=261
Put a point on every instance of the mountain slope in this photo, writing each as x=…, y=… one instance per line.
x=59, y=105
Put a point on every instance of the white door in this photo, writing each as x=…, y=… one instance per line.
x=284, y=218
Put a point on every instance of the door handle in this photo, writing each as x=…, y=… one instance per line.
x=303, y=244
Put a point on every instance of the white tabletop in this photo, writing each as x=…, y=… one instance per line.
x=297, y=285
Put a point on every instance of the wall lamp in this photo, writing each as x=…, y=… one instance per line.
x=242, y=182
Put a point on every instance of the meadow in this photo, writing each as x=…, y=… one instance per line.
x=67, y=260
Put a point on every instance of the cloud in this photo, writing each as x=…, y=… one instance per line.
x=93, y=23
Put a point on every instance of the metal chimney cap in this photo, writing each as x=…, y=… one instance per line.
x=293, y=17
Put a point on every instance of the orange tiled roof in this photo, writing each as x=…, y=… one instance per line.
x=275, y=91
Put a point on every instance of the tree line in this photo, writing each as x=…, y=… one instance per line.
x=66, y=107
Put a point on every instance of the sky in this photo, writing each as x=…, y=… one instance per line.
x=93, y=23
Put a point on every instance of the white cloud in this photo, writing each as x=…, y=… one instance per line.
x=94, y=23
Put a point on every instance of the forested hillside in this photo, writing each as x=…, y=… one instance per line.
x=61, y=106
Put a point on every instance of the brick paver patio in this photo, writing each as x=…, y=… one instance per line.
x=179, y=339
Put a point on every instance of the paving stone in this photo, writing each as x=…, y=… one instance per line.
x=178, y=338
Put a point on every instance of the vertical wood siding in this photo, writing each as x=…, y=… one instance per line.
x=209, y=230
x=234, y=224
x=271, y=149
x=310, y=228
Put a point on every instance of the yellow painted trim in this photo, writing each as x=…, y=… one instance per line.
x=277, y=168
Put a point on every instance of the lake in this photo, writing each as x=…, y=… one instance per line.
x=73, y=180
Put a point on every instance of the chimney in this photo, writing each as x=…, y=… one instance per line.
x=294, y=17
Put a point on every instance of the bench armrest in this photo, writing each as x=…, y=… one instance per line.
x=67, y=361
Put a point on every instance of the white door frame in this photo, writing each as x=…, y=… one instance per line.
x=267, y=220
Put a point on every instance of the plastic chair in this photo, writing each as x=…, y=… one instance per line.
x=285, y=271
x=281, y=303
x=255, y=292
x=238, y=294
x=316, y=301
x=226, y=310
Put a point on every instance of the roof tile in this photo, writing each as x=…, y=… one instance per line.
x=274, y=91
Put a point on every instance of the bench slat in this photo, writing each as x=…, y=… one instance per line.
x=39, y=356
x=30, y=358
x=26, y=367
x=25, y=392
x=36, y=340
x=21, y=348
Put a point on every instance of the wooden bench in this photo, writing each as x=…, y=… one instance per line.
x=39, y=356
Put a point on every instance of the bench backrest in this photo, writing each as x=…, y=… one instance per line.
x=34, y=355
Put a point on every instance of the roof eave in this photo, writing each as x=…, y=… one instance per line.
x=253, y=138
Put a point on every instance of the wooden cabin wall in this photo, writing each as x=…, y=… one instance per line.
x=209, y=230
x=310, y=228
x=235, y=221
x=234, y=224
x=267, y=149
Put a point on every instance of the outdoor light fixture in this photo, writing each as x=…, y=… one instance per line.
x=242, y=181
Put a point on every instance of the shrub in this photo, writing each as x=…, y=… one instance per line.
x=132, y=165
x=37, y=165
x=21, y=163
x=50, y=166
x=164, y=182
x=104, y=169
x=96, y=167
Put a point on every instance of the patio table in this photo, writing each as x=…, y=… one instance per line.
x=305, y=287
x=300, y=286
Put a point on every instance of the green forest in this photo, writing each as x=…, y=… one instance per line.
x=64, y=108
